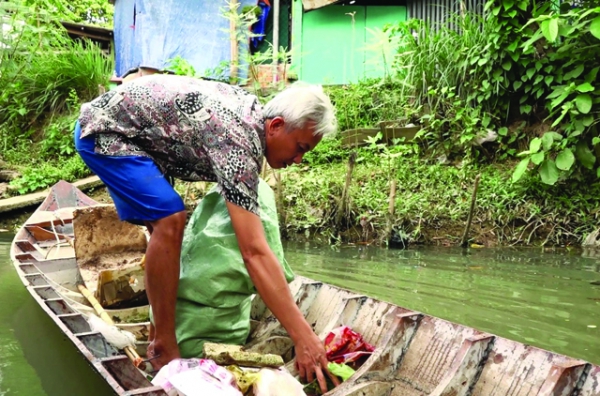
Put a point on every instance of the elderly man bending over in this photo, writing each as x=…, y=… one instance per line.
x=164, y=125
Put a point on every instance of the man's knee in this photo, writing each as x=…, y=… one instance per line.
x=172, y=225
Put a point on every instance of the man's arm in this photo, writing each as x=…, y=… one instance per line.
x=269, y=280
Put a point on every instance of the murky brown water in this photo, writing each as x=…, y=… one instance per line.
x=544, y=299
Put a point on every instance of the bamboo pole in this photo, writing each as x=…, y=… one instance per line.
x=343, y=206
x=464, y=239
x=275, y=41
x=129, y=351
x=233, y=41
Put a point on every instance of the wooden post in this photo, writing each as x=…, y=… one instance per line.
x=464, y=240
x=233, y=41
x=391, y=210
x=279, y=196
x=343, y=206
x=275, y=41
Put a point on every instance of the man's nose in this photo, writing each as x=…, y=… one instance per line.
x=298, y=158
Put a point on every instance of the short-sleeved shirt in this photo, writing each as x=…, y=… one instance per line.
x=194, y=130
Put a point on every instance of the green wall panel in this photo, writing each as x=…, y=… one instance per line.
x=336, y=51
x=376, y=19
x=330, y=45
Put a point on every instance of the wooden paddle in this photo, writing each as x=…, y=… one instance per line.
x=129, y=350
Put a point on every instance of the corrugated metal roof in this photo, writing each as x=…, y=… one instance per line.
x=314, y=4
x=436, y=11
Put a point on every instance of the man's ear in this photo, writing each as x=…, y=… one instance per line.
x=277, y=123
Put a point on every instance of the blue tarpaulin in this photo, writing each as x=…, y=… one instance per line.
x=148, y=33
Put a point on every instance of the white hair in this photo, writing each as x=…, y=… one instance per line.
x=300, y=104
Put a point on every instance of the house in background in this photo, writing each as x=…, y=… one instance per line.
x=335, y=42
x=329, y=39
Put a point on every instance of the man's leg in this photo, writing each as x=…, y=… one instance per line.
x=162, y=279
x=142, y=195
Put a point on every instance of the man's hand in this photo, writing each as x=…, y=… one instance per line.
x=311, y=359
x=269, y=280
x=161, y=353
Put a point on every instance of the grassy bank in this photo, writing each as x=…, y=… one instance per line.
x=432, y=201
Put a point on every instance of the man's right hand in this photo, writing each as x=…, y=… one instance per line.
x=161, y=354
x=311, y=361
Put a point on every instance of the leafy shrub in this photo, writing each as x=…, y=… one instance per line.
x=46, y=174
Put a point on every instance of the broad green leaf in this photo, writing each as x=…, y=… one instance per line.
x=517, y=84
x=538, y=65
x=525, y=109
x=513, y=46
x=555, y=136
x=585, y=155
x=585, y=87
x=550, y=29
x=520, y=170
x=595, y=27
x=538, y=79
x=556, y=102
x=574, y=73
x=530, y=73
x=548, y=172
x=565, y=160
x=537, y=158
x=565, y=110
x=583, y=103
x=508, y=4
x=506, y=65
x=556, y=92
x=548, y=80
x=503, y=131
x=591, y=76
x=598, y=173
x=535, y=144
x=588, y=120
x=595, y=140
x=486, y=121
x=547, y=141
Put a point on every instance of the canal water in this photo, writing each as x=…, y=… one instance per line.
x=547, y=299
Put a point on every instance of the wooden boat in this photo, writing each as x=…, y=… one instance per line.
x=415, y=354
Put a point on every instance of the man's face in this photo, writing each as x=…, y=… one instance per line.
x=286, y=148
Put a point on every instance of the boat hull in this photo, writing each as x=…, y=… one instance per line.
x=415, y=354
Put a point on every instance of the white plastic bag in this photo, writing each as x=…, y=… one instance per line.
x=198, y=383
x=277, y=383
x=190, y=377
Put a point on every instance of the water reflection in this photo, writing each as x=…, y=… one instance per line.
x=36, y=359
x=539, y=297
x=533, y=296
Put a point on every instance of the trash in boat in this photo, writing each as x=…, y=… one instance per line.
x=278, y=382
x=196, y=377
x=225, y=354
x=346, y=351
x=344, y=345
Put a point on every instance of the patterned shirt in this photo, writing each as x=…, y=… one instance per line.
x=193, y=130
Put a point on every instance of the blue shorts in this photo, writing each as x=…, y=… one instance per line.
x=139, y=189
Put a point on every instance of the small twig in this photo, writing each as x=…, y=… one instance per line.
x=391, y=210
x=464, y=239
x=343, y=206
